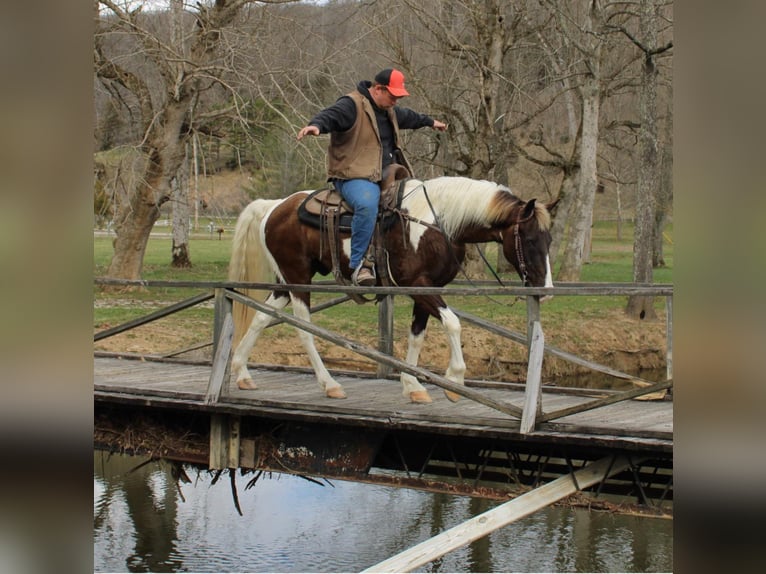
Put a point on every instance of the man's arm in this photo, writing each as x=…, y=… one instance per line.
x=339, y=117
x=411, y=120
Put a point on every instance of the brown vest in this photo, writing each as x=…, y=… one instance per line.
x=357, y=153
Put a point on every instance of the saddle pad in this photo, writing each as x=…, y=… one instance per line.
x=310, y=209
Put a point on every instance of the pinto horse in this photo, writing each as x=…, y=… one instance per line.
x=425, y=248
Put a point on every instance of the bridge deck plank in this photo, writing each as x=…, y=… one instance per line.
x=377, y=401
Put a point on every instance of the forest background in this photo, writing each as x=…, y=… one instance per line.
x=550, y=97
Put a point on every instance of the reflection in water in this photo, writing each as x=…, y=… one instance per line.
x=142, y=524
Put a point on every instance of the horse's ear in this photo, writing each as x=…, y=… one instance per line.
x=529, y=209
x=552, y=207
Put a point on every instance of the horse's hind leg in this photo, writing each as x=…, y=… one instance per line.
x=242, y=353
x=330, y=386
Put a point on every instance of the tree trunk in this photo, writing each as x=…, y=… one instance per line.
x=484, y=167
x=617, y=191
x=133, y=223
x=582, y=209
x=642, y=307
x=566, y=195
x=181, y=216
x=664, y=192
x=559, y=230
x=138, y=215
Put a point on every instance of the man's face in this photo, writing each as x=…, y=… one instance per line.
x=383, y=98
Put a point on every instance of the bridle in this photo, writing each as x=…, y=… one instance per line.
x=517, y=246
x=516, y=243
x=519, y=253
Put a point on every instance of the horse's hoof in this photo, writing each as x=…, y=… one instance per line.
x=420, y=397
x=336, y=393
x=246, y=384
x=453, y=397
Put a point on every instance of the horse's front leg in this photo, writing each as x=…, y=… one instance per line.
x=242, y=353
x=411, y=388
x=421, y=311
x=330, y=386
x=456, y=369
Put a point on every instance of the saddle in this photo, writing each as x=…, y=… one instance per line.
x=321, y=204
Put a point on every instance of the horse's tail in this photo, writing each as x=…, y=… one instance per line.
x=250, y=262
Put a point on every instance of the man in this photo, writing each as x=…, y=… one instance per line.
x=364, y=139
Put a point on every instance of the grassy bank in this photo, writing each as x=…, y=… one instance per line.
x=591, y=326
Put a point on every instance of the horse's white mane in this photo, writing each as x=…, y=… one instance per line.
x=459, y=201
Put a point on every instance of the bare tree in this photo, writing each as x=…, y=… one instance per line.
x=583, y=27
x=180, y=256
x=665, y=190
x=650, y=15
x=474, y=64
x=160, y=83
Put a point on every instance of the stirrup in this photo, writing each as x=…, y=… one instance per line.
x=368, y=278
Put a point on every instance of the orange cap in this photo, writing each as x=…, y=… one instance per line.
x=393, y=80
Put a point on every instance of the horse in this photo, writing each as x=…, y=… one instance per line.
x=425, y=248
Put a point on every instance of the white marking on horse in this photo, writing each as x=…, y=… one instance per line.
x=409, y=383
x=548, y=278
x=456, y=370
x=548, y=274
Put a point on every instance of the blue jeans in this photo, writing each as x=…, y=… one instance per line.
x=363, y=196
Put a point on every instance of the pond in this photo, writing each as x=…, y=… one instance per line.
x=144, y=522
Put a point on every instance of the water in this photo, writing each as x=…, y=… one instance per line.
x=143, y=524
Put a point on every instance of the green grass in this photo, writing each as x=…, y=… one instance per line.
x=210, y=258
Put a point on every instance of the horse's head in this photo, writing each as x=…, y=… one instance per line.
x=526, y=242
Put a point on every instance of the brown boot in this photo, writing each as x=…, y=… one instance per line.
x=363, y=277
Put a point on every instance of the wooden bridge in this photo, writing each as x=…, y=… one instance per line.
x=498, y=441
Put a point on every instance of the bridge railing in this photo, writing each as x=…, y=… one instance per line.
x=225, y=293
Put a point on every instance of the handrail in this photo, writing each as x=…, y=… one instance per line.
x=659, y=290
x=532, y=413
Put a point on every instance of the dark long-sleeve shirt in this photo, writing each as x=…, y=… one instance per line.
x=340, y=117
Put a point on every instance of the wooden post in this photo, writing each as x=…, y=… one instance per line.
x=535, y=352
x=223, y=333
x=385, y=332
x=502, y=515
x=220, y=371
x=533, y=390
x=224, y=441
x=533, y=315
x=222, y=307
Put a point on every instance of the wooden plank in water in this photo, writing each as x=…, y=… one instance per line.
x=502, y=515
